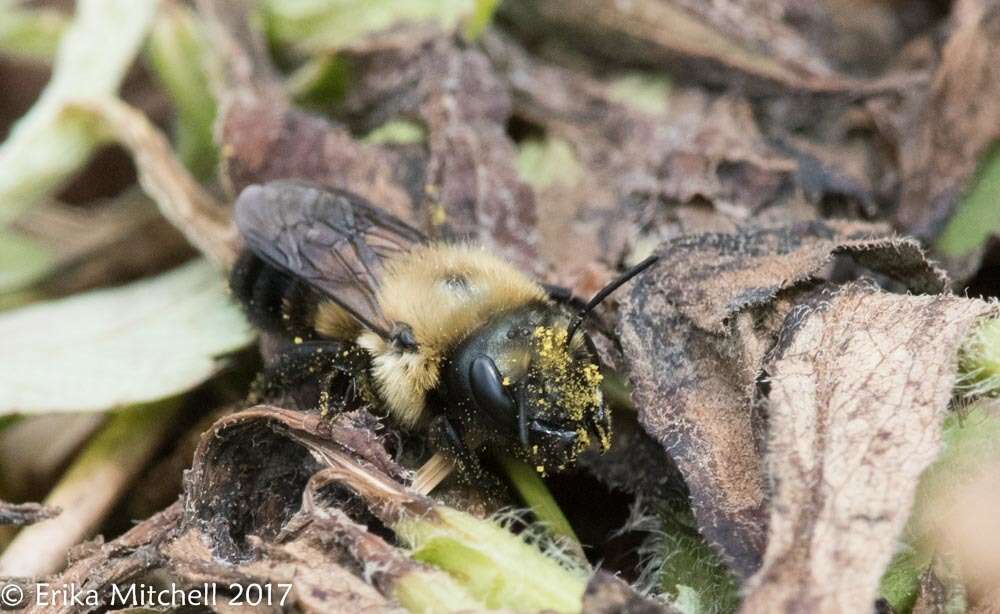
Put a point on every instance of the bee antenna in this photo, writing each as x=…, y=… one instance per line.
x=604, y=292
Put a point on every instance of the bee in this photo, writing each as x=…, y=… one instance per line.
x=449, y=338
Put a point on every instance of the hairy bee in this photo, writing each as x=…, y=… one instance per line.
x=447, y=336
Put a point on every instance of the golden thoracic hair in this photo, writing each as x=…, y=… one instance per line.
x=443, y=292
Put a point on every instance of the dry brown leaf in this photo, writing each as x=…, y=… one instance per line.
x=464, y=186
x=695, y=331
x=318, y=573
x=956, y=123
x=719, y=275
x=472, y=187
x=470, y=173
x=721, y=43
x=859, y=387
x=264, y=138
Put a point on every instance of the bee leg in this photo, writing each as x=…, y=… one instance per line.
x=446, y=439
x=310, y=375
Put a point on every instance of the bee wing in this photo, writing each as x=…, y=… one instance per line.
x=333, y=240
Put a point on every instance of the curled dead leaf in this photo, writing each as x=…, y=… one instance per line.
x=251, y=468
x=695, y=332
x=859, y=386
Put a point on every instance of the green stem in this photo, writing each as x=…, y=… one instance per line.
x=536, y=495
x=616, y=391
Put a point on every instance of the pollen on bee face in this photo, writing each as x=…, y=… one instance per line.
x=575, y=383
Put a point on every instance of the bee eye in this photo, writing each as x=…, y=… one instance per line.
x=488, y=391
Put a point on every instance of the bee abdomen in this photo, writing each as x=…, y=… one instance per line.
x=273, y=300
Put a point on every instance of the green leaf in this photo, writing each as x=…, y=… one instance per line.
x=900, y=583
x=643, y=92
x=491, y=563
x=482, y=15
x=399, y=132
x=684, y=568
x=978, y=214
x=312, y=26
x=546, y=162
x=979, y=360
x=320, y=81
x=177, y=51
x=30, y=32
x=46, y=146
x=109, y=348
x=22, y=261
x=689, y=601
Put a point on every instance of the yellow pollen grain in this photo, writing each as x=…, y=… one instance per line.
x=297, y=340
x=438, y=215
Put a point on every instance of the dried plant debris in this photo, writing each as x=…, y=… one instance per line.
x=99, y=566
x=956, y=121
x=695, y=332
x=607, y=594
x=621, y=177
x=309, y=563
x=464, y=185
x=311, y=475
x=474, y=187
x=24, y=513
x=859, y=387
x=73, y=250
x=728, y=43
x=222, y=480
x=790, y=372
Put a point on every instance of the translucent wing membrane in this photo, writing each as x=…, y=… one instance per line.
x=333, y=240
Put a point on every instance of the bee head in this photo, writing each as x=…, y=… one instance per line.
x=537, y=389
x=532, y=374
